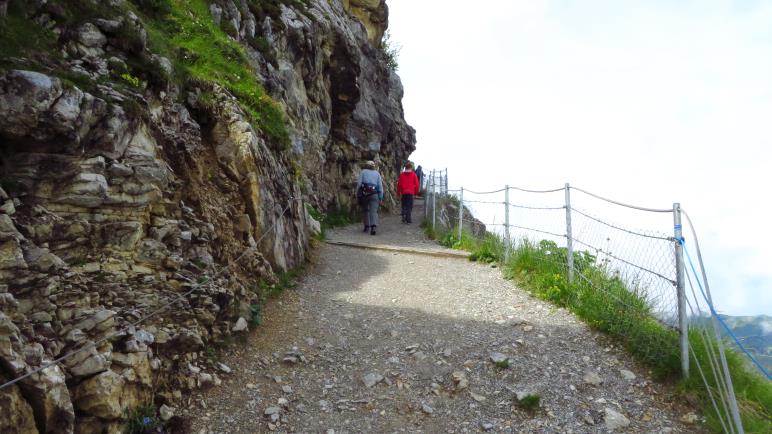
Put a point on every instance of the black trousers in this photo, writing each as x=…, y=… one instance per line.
x=407, y=208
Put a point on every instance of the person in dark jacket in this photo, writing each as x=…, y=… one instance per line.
x=370, y=195
x=407, y=188
x=419, y=172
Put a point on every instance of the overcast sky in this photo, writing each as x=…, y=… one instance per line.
x=649, y=102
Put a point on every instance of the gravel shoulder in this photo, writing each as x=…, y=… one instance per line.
x=384, y=342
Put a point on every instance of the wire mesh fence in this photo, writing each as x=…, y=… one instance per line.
x=624, y=262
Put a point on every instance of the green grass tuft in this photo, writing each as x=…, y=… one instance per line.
x=143, y=419
x=529, y=402
x=22, y=37
x=335, y=217
x=256, y=314
x=503, y=364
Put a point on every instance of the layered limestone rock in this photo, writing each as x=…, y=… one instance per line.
x=374, y=14
x=118, y=200
x=344, y=104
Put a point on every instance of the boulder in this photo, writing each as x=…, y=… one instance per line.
x=101, y=396
x=86, y=363
x=90, y=36
x=42, y=259
x=16, y=415
x=138, y=362
x=47, y=393
x=11, y=255
x=615, y=420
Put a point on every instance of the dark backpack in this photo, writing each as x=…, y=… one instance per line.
x=366, y=190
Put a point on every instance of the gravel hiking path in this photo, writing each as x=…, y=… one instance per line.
x=381, y=342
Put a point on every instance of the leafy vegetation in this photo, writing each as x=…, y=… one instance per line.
x=503, y=364
x=204, y=51
x=143, y=419
x=267, y=289
x=21, y=36
x=390, y=51
x=255, y=314
x=335, y=217
x=529, y=402
x=606, y=303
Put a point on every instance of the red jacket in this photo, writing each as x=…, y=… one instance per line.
x=407, y=183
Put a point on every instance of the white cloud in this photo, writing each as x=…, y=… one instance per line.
x=648, y=102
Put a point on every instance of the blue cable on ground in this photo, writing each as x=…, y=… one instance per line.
x=715, y=314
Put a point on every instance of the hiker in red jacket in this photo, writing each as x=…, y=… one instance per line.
x=407, y=188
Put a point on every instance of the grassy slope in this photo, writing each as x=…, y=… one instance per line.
x=605, y=303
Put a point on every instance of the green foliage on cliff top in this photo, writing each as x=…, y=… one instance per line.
x=188, y=35
x=181, y=30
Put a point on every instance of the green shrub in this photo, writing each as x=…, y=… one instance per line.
x=335, y=217
x=529, y=402
x=390, y=51
x=503, y=364
x=22, y=37
x=488, y=250
x=143, y=419
x=130, y=79
x=256, y=314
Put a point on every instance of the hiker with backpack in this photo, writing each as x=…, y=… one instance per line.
x=370, y=195
x=407, y=188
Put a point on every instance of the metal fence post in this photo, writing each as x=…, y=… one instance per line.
x=506, y=223
x=569, y=236
x=425, y=187
x=434, y=200
x=461, y=214
x=681, y=290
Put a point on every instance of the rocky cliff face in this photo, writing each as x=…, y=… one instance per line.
x=156, y=152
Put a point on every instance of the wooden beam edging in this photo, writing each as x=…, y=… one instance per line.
x=442, y=254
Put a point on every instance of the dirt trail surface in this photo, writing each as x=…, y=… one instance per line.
x=375, y=341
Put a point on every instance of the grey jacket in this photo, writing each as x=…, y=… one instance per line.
x=371, y=177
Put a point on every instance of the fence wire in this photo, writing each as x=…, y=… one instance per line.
x=638, y=262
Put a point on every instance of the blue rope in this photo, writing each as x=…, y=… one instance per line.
x=715, y=314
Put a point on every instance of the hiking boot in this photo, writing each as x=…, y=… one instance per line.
x=366, y=228
x=372, y=230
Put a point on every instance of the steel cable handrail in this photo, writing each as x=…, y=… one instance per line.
x=483, y=192
x=483, y=202
x=537, y=191
x=640, y=208
x=712, y=360
x=538, y=207
x=672, y=282
x=538, y=230
x=130, y=325
x=573, y=209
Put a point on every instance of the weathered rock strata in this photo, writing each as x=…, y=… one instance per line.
x=110, y=211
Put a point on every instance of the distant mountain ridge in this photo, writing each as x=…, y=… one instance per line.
x=755, y=333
